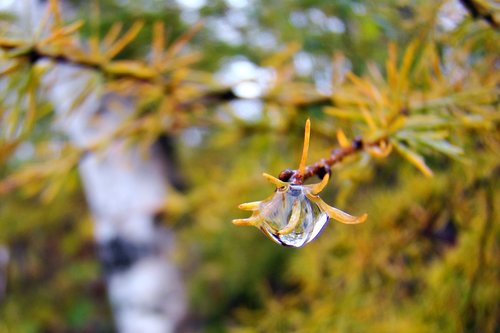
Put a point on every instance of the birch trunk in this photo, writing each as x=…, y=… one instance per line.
x=124, y=187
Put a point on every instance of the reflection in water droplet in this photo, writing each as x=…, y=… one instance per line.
x=277, y=211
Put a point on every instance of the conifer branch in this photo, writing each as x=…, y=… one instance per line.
x=479, y=10
x=142, y=73
x=323, y=167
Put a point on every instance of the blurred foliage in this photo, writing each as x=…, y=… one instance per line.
x=396, y=72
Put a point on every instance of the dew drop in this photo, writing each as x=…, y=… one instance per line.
x=277, y=211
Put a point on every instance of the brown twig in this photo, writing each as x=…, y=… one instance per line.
x=476, y=12
x=321, y=168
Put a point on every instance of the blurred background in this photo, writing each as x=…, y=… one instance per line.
x=239, y=86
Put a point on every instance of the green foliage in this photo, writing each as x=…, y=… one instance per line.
x=425, y=260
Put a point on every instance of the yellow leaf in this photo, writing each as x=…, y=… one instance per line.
x=342, y=139
x=282, y=56
x=379, y=151
x=368, y=118
x=408, y=58
x=181, y=61
x=11, y=43
x=130, y=67
x=124, y=41
x=55, y=10
x=112, y=34
x=158, y=43
x=414, y=158
x=181, y=41
x=364, y=86
x=392, y=78
x=10, y=68
x=31, y=111
x=62, y=32
x=95, y=51
x=343, y=114
x=397, y=124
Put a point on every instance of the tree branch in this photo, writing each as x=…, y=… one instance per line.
x=321, y=168
x=32, y=54
x=477, y=12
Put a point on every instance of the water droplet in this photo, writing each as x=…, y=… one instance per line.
x=276, y=213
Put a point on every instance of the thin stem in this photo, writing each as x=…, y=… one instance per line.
x=323, y=167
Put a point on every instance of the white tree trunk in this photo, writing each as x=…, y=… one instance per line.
x=124, y=188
